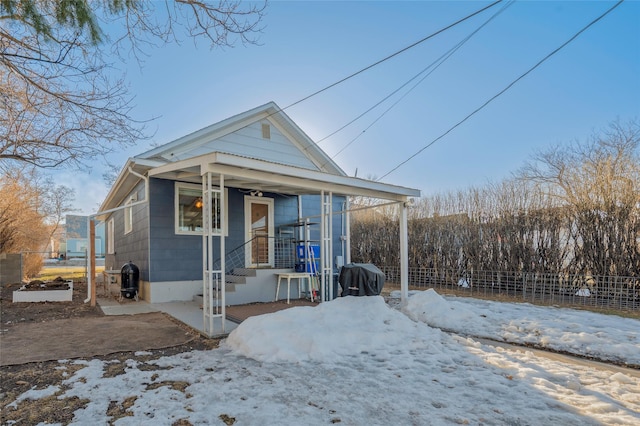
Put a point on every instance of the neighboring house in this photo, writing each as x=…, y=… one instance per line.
x=76, y=237
x=267, y=188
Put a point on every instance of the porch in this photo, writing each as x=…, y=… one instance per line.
x=190, y=312
x=217, y=172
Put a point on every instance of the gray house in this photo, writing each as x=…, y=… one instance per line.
x=76, y=230
x=224, y=211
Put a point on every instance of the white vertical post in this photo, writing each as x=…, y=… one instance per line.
x=322, y=231
x=329, y=261
x=213, y=280
x=404, y=254
x=347, y=255
x=222, y=279
x=207, y=255
x=90, y=283
x=205, y=266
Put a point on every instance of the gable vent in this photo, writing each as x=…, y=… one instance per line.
x=266, y=131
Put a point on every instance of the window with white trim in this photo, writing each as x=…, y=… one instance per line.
x=188, y=210
x=266, y=131
x=128, y=216
x=110, y=237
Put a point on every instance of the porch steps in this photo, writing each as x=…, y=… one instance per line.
x=249, y=285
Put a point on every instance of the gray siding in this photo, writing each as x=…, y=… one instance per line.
x=179, y=257
x=248, y=142
x=133, y=246
x=161, y=255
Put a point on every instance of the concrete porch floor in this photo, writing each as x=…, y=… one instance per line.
x=190, y=312
x=187, y=312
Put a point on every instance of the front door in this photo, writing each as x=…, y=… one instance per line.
x=259, y=231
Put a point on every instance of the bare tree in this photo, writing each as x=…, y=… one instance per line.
x=61, y=104
x=32, y=208
x=598, y=183
x=22, y=227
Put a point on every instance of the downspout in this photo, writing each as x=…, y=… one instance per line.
x=90, y=247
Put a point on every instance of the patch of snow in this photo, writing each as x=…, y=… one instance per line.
x=35, y=394
x=357, y=361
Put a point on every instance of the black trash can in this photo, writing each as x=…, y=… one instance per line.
x=130, y=281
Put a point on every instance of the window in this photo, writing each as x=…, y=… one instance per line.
x=266, y=131
x=110, y=237
x=188, y=210
x=128, y=216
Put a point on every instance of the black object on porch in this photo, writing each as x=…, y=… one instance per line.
x=361, y=279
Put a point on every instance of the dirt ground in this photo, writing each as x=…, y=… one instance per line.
x=47, y=318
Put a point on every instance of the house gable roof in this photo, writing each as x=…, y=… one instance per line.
x=241, y=135
x=293, y=164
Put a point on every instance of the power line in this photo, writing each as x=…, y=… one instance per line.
x=459, y=21
x=393, y=55
x=433, y=66
x=502, y=91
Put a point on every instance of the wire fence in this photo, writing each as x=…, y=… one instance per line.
x=607, y=292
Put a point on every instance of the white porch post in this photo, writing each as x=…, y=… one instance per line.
x=322, y=254
x=326, y=246
x=212, y=279
x=404, y=254
x=328, y=262
x=347, y=255
x=223, y=257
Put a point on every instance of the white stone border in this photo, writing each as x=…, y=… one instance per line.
x=44, y=295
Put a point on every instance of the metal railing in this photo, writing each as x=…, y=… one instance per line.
x=284, y=254
x=609, y=292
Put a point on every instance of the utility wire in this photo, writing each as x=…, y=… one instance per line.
x=433, y=66
x=393, y=55
x=459, y=21
x=502, y=91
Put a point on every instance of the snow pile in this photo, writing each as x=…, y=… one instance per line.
x=606, y=337
x=431, y=308
x=346, y=326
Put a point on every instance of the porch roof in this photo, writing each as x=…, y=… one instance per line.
x=253, y=174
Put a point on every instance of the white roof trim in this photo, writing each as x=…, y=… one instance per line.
x=271, y=111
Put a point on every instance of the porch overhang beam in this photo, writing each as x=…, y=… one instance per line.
x=287, y=179
x=301, y=185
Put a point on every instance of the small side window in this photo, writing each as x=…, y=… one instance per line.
x=266, y=131
x=110, y=237
x=128, y=217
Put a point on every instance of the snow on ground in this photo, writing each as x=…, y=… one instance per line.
x=357, y=361
x=605, y=337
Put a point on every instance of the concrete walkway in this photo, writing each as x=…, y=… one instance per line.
x=186, y=312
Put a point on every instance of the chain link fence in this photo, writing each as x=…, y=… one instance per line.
x=607, y=292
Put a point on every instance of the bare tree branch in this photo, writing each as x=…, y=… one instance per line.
x=60, y=104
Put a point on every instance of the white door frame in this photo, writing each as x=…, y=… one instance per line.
x=248, y=201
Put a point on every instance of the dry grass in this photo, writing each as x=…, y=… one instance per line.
x=21, y=378
x=68, y=272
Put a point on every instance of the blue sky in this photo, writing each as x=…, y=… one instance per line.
x=306, y=46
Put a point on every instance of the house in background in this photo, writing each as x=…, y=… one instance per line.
x=220, y=212
x=77, y=231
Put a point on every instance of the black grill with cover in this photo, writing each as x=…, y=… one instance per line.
x=361, y=279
